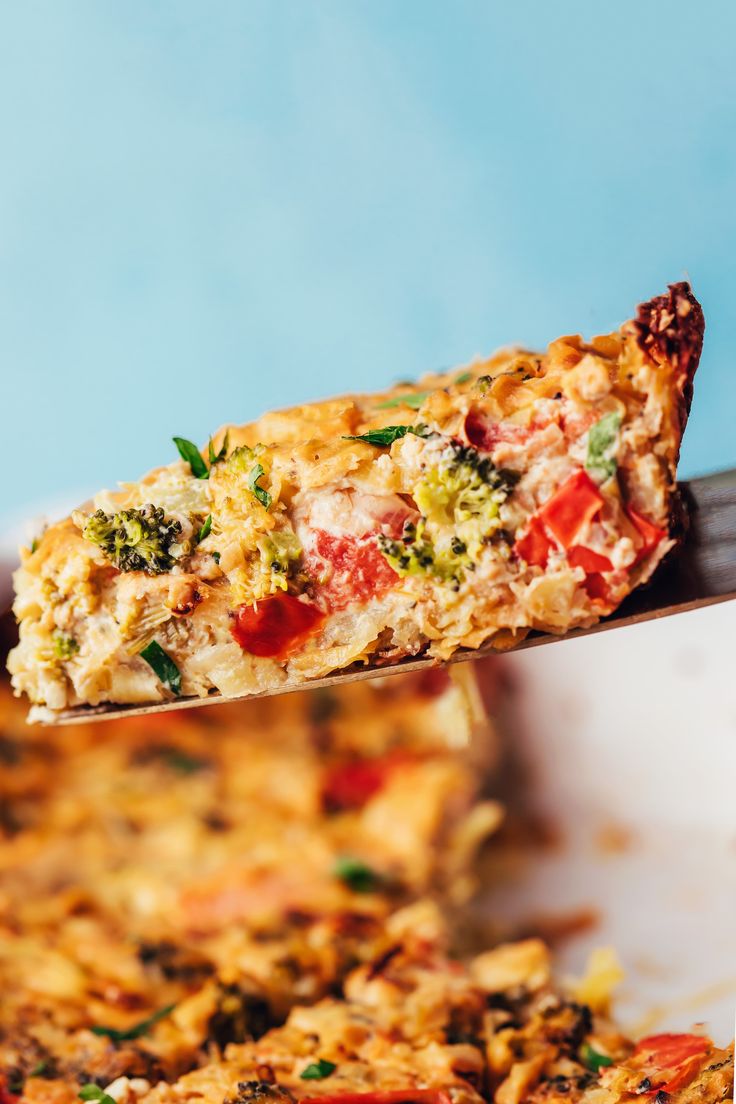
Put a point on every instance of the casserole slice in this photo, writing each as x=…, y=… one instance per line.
x=525, y=492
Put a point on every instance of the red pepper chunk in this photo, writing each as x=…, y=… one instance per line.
x=275, y=626
x=674, y=1057
x=6, y=1097
x=571, y=507
x=394, y=1096
x=351, y=785
x=596, y=587
x=650, y=533
x=590, y=561
x=535, y=545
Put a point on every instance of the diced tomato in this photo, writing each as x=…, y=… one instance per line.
x=650, y=533
x=571, y=507
x=590, y=561
x=535, y=545
x=358, y=570
x=669, y=1061
x=394, y=1096
x=350, y=785
x=275, y=626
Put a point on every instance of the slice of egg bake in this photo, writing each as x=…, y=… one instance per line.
x=522, y=492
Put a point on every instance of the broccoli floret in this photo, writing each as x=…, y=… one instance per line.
x=280, y=552
x=459, y=499
x=244, y=461
x=64, y=646
x=415, y=554
x=463, y=493
x=135, y=540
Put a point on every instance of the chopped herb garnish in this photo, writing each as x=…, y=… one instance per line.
x=64, y=646
x=464, y=377
x=216, y=557
x=40, y=1068
x=317, y=1071
x=193, y=457
x=593, y=1059
x=163, y=666
x=183, y=763
x=214, y=457
x=94, y=1092
x=600, y=461
x=262, y=495
x=386, y=436
x=134, y=1032
x=356, y=875
x=205, y=530
x=34, y=544
x=414, y=400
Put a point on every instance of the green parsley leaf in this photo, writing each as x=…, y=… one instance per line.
x=162, y=665
x=205, y=530
x=134, y=1032
x=386, y=436
x=413, y=400
x=94, y=1092
x=464, y=377
x=216, y=557
x=317, y=1071
x=42, y=1066
x=356, y=875
x=602, y=437
x=215, y=458
x=189, y=452
x=34, y=544
x=262, y=495
x=593, y=1059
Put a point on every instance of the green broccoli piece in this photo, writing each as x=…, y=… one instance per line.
x=461, y=496
x=415, y=554
x=280, y=551
x=459, y=499
x=135, y=540
x=64, y=646
x=244, y=461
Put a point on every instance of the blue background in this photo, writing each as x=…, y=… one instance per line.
x=207, y=209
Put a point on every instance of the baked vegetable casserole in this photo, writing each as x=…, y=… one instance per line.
x=525, y=492
x=253, y=905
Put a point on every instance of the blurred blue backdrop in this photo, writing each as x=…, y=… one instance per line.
x=225, y=207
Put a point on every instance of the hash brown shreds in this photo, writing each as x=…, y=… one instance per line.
x=231, y=864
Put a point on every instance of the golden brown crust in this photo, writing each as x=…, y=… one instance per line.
x=670, y=329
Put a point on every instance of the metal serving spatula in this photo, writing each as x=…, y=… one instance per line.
x=701, y=572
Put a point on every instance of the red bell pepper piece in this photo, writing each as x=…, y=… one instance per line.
x=535, y=545
x=650, y=533
x=596, y=588
x=351, y=785
x=6, y=1097
x=394, y=1096
x=571, y=507
x=276, y=625
x=590, y=561
x=669, y=1061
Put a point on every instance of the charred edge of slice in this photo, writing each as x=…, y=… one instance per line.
x=671, y=327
